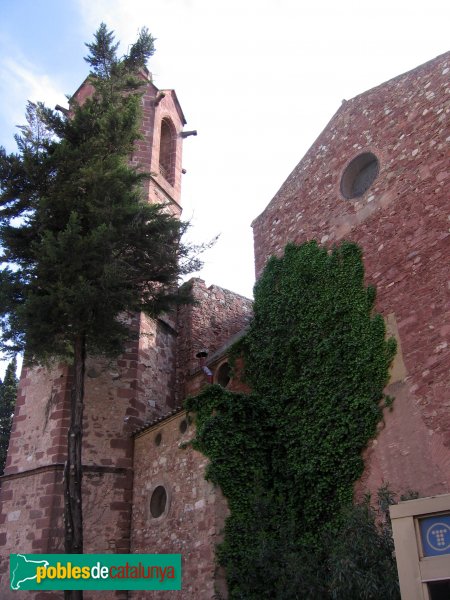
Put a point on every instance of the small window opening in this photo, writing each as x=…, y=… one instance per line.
x=224, y=374
x=167, y=150
x=158, y=438
x=158, y=501
x=183, y=426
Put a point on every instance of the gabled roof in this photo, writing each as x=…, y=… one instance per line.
x=157, y=420
x=149, y=81
x=382, y=90
x=177, y=104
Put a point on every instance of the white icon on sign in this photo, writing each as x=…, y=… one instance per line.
x=438, y=537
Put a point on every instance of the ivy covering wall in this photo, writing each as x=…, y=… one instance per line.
x=287, y=455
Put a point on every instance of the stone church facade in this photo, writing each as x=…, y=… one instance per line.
x=379, y=175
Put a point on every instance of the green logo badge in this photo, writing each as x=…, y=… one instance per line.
x=95, y=571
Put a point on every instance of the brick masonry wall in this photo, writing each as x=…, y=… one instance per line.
x=156, y=369
x=217, y=316
x=146, y=153
x=402, y=223
x=195, y=512
x=41, y=414
x=31, y=499
x=143, y=149
x=32, y=513
x=30, y=519
x=120, y=395
x=160, y=188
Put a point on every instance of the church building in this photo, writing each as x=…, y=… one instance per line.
x=378, y=175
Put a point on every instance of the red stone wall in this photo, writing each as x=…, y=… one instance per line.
x=120, y=395
x=30, y=521
x=146, y=154
x=31, y=496
x=160, y=187
x=156, y=106
x=194, y=518
x=215, y=317
x=402, y=223
x=40, y=421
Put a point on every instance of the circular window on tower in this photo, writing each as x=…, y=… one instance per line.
x=359, y=175
x=159, y=502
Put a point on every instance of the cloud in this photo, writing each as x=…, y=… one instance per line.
x=23, y=82
x=259, y=80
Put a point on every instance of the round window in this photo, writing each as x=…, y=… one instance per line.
x=359, y=175
x=183, y=426
x=158, y=501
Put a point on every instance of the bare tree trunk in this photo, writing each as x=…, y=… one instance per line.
x=73, y=471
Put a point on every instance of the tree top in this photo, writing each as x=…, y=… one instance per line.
x=103, y=57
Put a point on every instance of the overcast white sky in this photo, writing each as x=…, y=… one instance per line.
x=258, y=79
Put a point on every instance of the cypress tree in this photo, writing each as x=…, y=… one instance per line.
x=82, y=243
x=8, y=392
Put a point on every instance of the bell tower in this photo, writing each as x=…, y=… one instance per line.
x=120, y=395
x=159, y=151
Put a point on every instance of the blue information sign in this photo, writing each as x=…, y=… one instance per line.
x=435, y=534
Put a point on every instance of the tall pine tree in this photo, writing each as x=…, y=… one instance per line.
x=8, y=392
x=87, y=246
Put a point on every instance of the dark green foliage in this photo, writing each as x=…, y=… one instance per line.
x=287, y=455
x=361, y=559
x=103, y=53
x=8, y=393
x=84, y=245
